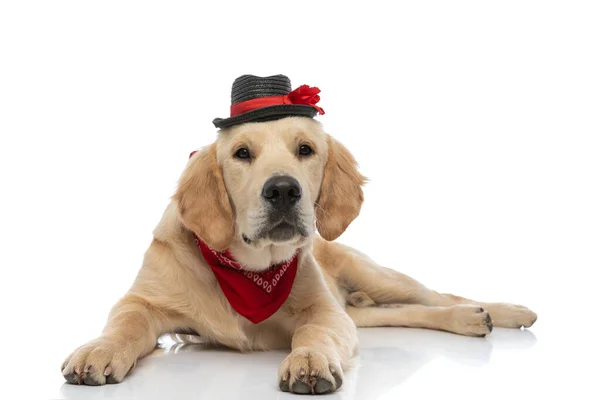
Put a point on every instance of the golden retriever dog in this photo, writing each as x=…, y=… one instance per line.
x=262, y=191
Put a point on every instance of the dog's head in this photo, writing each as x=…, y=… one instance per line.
x=270, y=183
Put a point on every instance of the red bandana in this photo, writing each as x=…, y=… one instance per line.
x=254, y=295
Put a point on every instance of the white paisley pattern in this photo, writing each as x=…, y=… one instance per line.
x=265, y=280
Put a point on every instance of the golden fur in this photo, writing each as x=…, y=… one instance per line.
x=336, y=289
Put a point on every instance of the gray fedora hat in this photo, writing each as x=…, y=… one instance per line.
x=257, y=99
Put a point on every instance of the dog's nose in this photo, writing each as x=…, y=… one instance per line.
x=282, y=192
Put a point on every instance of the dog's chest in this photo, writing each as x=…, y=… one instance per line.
x=216, y=321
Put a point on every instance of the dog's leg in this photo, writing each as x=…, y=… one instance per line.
x=357, y=272
x=464, y=319
x=324, y=339
x=131, y=332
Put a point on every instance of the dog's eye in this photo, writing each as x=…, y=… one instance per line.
x=305, y=150
x=242, y=153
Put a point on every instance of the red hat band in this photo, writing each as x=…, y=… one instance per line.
x=303, y=95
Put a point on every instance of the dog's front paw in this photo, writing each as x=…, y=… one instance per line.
x=307, y=371
x=98, y=362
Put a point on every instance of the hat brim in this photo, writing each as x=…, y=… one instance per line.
x=267, y=114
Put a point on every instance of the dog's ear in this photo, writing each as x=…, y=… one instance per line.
x=341, y=195
x=202, y=200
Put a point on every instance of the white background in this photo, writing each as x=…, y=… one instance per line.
x=477, y=123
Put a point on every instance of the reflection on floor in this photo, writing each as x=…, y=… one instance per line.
x=388, y=359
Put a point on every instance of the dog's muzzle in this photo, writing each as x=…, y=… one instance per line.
x=282, y=194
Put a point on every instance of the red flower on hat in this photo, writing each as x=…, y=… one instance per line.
x=306, y=95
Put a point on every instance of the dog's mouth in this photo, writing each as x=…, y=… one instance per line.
x=282, y=232
x=282, y=229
